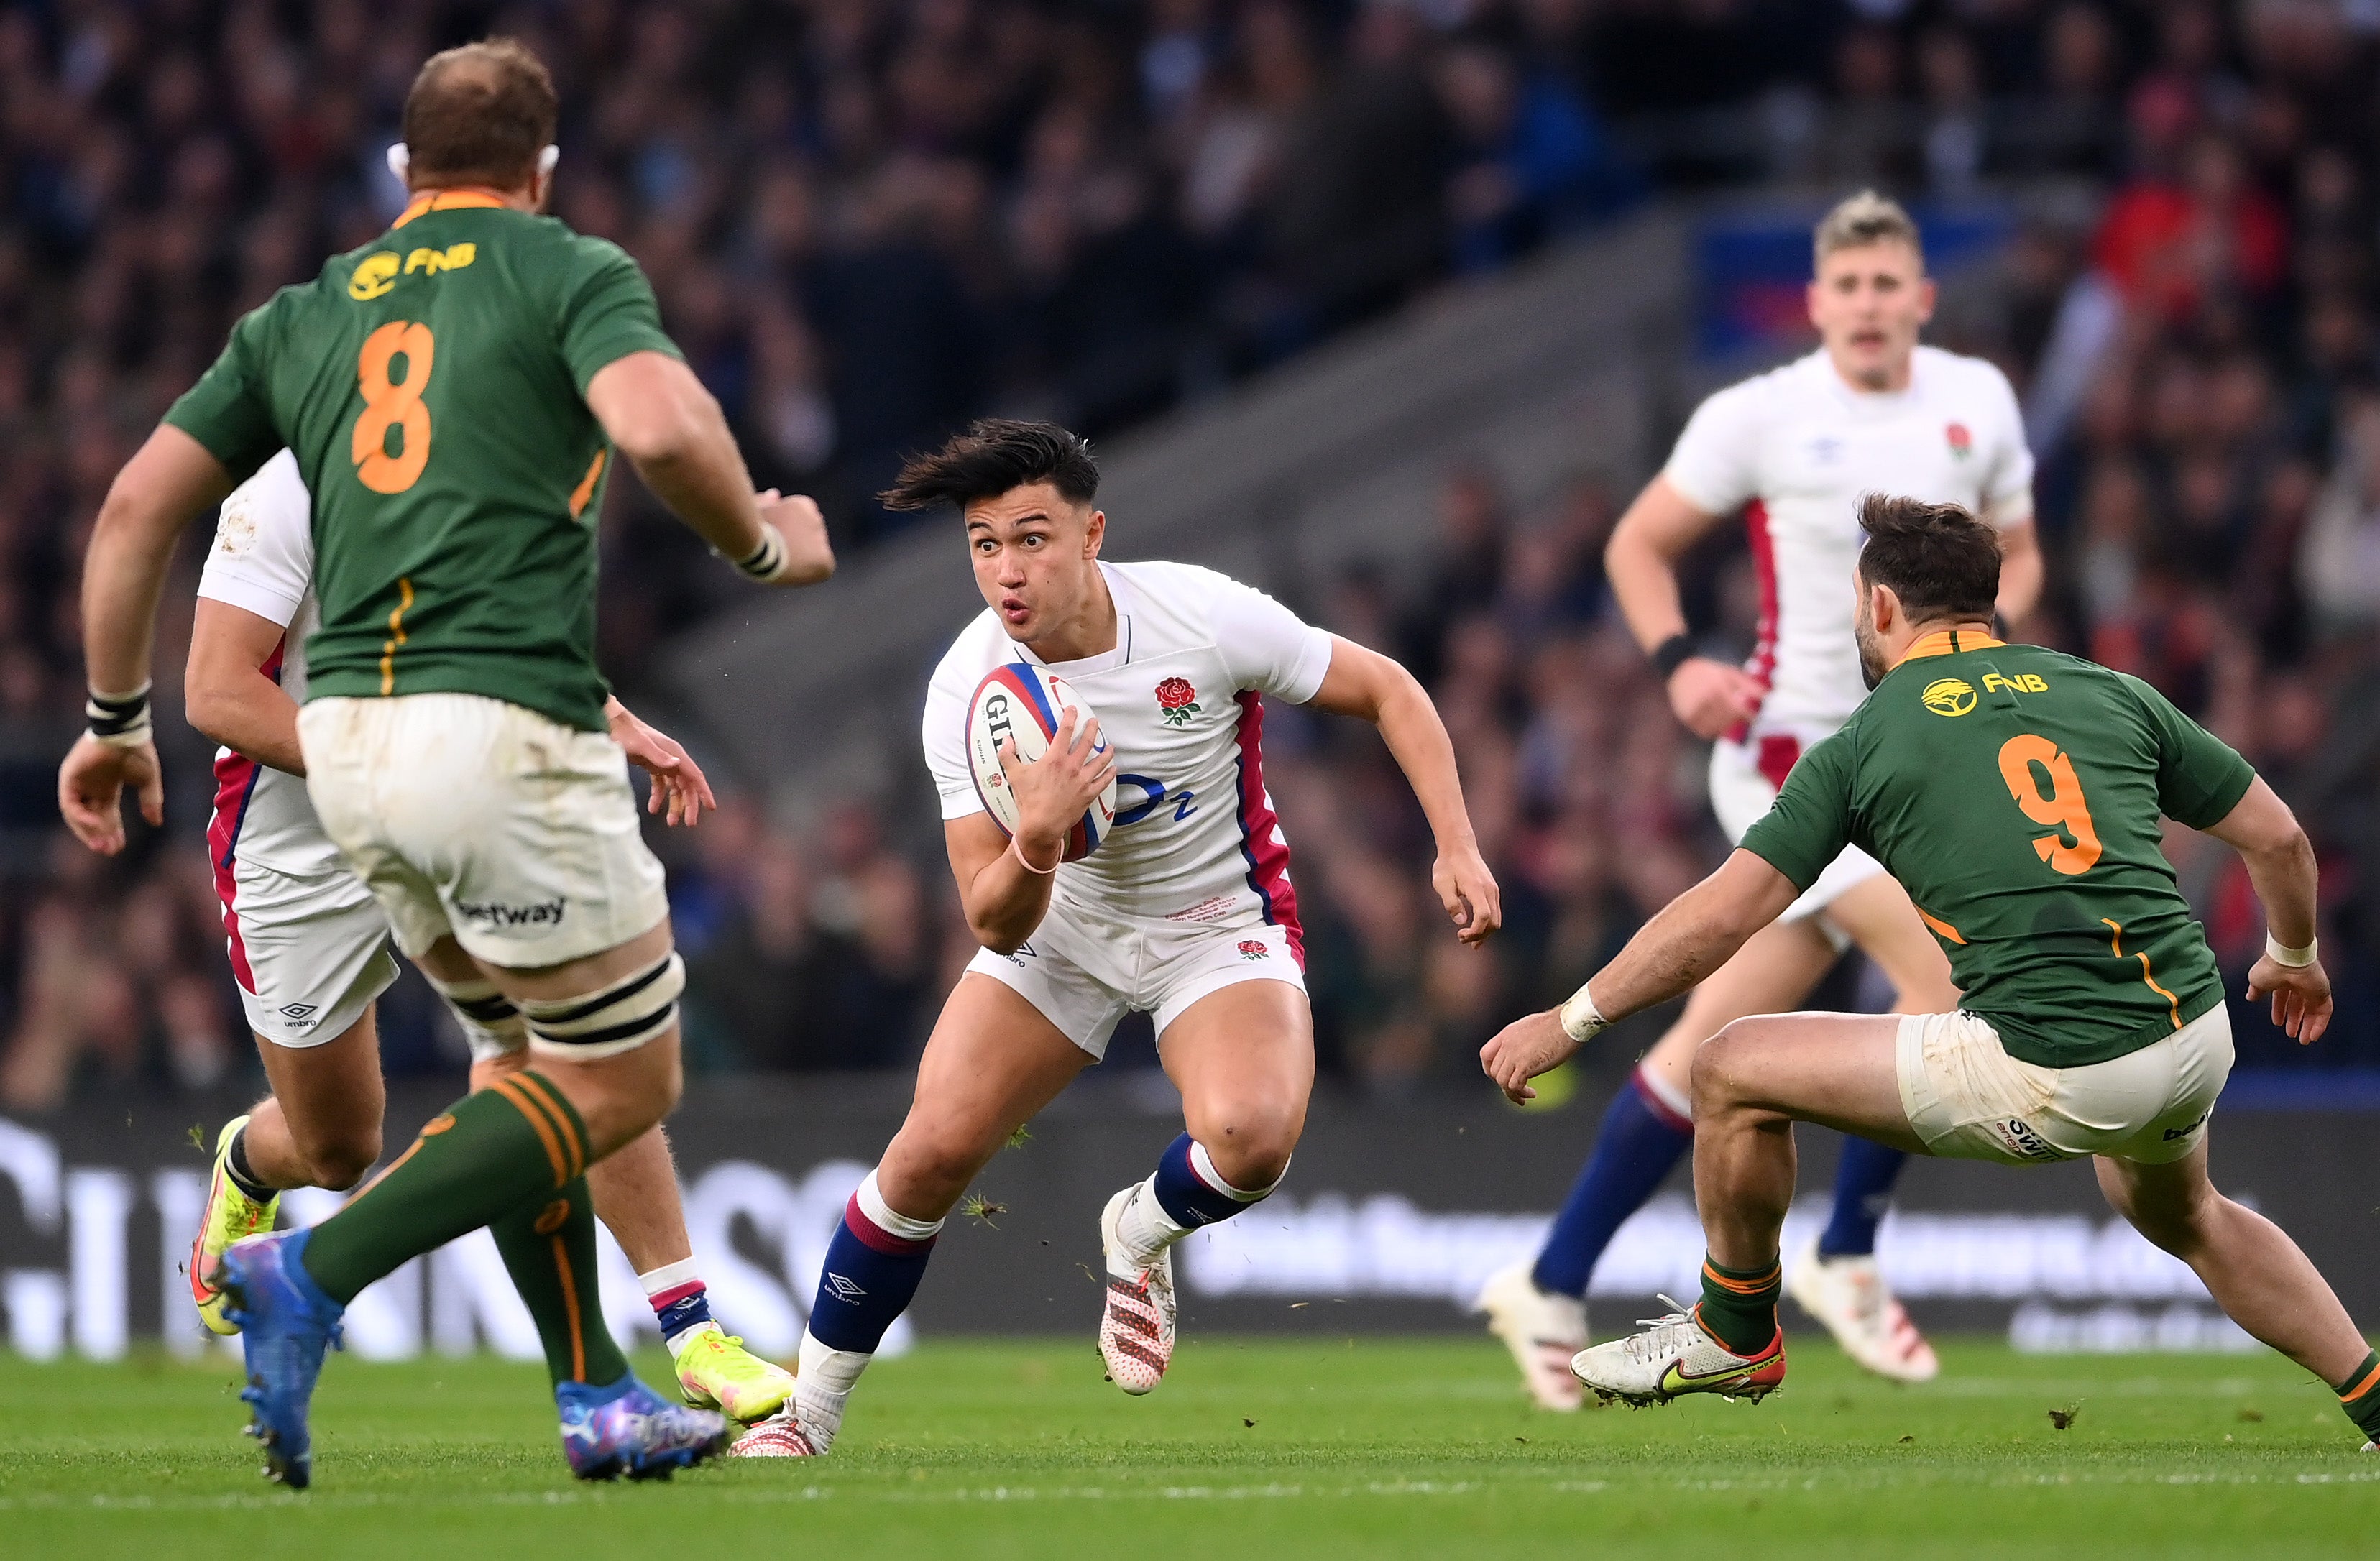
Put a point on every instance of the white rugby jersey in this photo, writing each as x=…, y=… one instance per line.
x=1196, y=839
x=1795, y=449
x=263, y=560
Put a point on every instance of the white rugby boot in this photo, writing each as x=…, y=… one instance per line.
x=1542, y=1329
x=1674, y=1356
x=1136, y=1331
x=804, y=1428
x=1850, y=1298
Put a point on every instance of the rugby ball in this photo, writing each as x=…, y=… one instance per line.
x=1023, y=703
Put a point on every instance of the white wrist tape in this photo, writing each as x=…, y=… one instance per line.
x=120, y=720
x=2296, y=958
x=767, y=561
x=1580, y=1017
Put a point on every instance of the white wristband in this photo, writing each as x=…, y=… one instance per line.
x=1580, y=1017
x=2296, y=958
x=766, y=562
x=1016, y=849
x=120, y=720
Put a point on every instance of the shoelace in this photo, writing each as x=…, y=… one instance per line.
x=1663, y=1338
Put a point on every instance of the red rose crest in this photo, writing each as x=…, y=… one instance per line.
x=1962, y=441
x=1178, y=700
x=1253, y=950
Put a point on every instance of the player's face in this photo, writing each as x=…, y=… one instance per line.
x=1868, y=305
x=1035, y=558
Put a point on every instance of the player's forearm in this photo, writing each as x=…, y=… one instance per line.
x=703, y=479
x=2286, y=878
x=123, y=576
x=251, y=717
x=1693, y=936
x=1644, y=583
x=169, y=479
x=1005, y=900
x=1417, y=739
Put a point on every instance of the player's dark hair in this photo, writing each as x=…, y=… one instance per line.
x=1940, y=560
x=480, y=115
x=991, y=457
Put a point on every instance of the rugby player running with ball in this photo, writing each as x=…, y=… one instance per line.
x=1184, y=912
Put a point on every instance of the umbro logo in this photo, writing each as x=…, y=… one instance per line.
x=845, y=1290
x=297, y=1011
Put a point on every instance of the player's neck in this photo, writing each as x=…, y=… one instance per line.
x=1943, y=635
x=523, y=200
x=1091, y=632
x=1892, y=383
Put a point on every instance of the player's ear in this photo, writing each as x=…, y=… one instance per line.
x=1095, y=531
x=1926, y=293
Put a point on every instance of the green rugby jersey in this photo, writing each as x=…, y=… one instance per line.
x=431, y=385
x=2016, y=794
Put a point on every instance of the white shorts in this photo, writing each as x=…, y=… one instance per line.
x=310, y=953
x=1084, y=971
x=482, y=818
x=1969, y=1099
x=1740, y=794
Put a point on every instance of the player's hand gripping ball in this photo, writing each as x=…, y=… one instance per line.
x=1026, y=705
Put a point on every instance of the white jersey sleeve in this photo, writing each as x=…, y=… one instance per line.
x=2008, y=479
x=1266, y=645
x=1716, y=464
x=263, y=558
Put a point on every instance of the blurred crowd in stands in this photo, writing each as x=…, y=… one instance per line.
x=867, y=219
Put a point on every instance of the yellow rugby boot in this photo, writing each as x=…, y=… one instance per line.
x=231, y=1216
x=717, y=1373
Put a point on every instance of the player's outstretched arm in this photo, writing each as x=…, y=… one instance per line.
x=678, y=782
x=1694, y=935
x=2281, y=866
x=1003, y=885
x=167, y=482
x=225, y=694
x=1368, y=686
x=1640, y=560
x=670, y=428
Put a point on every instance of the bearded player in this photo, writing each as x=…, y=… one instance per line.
x=2020, y=795
x=1185, y=911
x=309, y=951
x=1793, y=449
x=453, y=393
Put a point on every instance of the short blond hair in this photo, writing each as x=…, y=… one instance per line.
x=1866, y=218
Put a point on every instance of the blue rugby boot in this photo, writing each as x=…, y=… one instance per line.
x=286, y=1322
x=626, y=1428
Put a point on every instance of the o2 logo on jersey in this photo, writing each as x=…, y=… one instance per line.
x=1962, y=443
x=1153, y=797
x=1949, y=697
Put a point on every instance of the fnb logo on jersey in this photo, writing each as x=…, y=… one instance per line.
x=375, y=274
x=2023, y=682
x=1949, y=697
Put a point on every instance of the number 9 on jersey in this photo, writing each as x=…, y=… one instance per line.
x=1023, y=704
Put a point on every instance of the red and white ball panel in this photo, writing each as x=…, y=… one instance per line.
x=1022, y=703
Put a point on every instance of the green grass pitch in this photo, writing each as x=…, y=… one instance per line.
x=1314, y=1447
